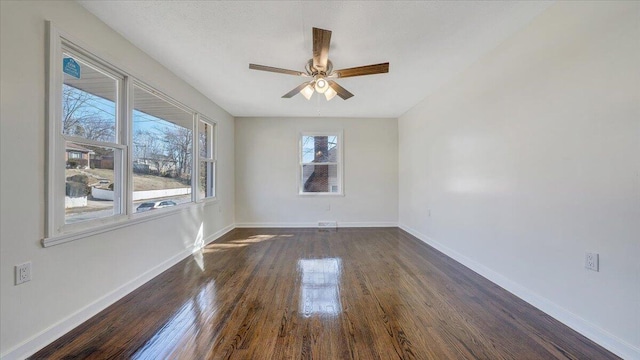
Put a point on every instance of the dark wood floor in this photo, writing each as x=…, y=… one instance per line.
x=306, y=293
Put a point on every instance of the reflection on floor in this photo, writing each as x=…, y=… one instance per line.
x=304, y=293
x=319, y=291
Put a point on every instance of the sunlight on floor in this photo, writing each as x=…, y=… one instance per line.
x=239, y=243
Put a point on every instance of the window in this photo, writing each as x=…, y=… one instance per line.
x=88, y=102
x=162, y=149
x=207, y=159
x=117, y=147
x=320, y=170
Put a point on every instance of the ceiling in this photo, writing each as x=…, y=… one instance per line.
x=210, y=44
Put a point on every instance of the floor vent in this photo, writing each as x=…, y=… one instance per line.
x=327, y=224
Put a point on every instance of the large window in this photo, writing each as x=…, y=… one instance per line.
x=162, y=151
x=118, y=150
x=320, y=170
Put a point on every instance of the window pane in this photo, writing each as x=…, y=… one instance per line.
x=205, y=136
x=162, y=141
x=319, y=149
x=320, y=178
x=89, y=182
x=332, y=148
x=307, y=149
x=206, y=186
x=88, y=101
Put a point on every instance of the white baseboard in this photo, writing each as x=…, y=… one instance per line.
x=47, y=336
x=315, y=225
x=276, y=225
x=366, y=224
x=577, y=323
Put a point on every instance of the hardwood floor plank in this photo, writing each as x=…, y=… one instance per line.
x=319, y=294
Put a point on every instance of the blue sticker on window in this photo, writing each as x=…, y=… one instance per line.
x=71, y=67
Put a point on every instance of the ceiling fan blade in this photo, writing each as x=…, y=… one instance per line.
x=321, y=42
x=276, y=70
x=342, y=92
x=363, y=70
x=295, y=91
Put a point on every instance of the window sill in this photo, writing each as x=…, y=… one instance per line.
x=126, y=221
x=208, y=201
x=321, y=194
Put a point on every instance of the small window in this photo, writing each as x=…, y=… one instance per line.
x=207, y=159
x=320, y=164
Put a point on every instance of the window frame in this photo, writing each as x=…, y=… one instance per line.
x=339, y=165
x=194, y=147
x=60, y=43
x=56, y=230
x=213, y=159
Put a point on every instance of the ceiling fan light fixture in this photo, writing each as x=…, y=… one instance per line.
x=330, y=93
x=307, y=91
x=319, y=71
x=321, y=84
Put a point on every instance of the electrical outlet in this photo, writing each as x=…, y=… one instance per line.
x=591, y=261
x=23, y=273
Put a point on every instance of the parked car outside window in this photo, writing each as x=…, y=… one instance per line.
x=152, y=205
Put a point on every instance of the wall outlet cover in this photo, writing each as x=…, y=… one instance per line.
x=591, y=261
x=23, y=273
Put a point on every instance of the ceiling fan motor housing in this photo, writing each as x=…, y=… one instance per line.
x=312, y=71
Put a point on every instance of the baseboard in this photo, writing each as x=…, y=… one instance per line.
x=366, y=224
x=315, y=225
x=276, y=225
x=52, y=333
x=577, y=323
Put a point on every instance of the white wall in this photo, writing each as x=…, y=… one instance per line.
x=266, y=173
x=530, y=158
x=74, y=280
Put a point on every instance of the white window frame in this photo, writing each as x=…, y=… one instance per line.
x=194, y=147
x=213, y=159
x=340, y=162
x=60, y=43
x=56, y=231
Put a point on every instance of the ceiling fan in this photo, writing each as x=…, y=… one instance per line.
x=320, y=70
